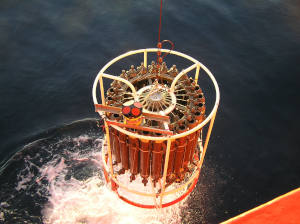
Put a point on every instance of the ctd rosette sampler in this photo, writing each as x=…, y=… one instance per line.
x=154, y=119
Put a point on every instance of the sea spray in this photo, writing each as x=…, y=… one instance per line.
x=59, y=180
x=91, y=201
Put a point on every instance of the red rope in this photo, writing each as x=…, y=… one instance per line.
x=160, y=13
x=159, y=44
x=172, y=47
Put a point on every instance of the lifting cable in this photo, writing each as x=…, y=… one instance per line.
x=160, y=43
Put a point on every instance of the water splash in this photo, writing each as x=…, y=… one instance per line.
x=90, y=201
x=61, y=182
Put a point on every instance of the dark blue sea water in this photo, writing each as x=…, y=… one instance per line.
x=51, y=51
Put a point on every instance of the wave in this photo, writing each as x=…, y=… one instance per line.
x=57, y=178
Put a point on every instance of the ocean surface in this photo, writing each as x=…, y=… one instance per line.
x=50, y=54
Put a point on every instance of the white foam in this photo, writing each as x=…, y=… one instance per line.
x=72, y=201
x=93, y=203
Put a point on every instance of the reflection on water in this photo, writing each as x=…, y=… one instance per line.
x=52, y=50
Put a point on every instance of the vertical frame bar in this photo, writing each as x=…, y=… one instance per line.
x=102, y=90
x=145, y=58
x=211, y=124
x=197, y=73
x=109, y=149
x=165, y=170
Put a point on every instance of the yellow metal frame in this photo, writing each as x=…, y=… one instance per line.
x=210, y=119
